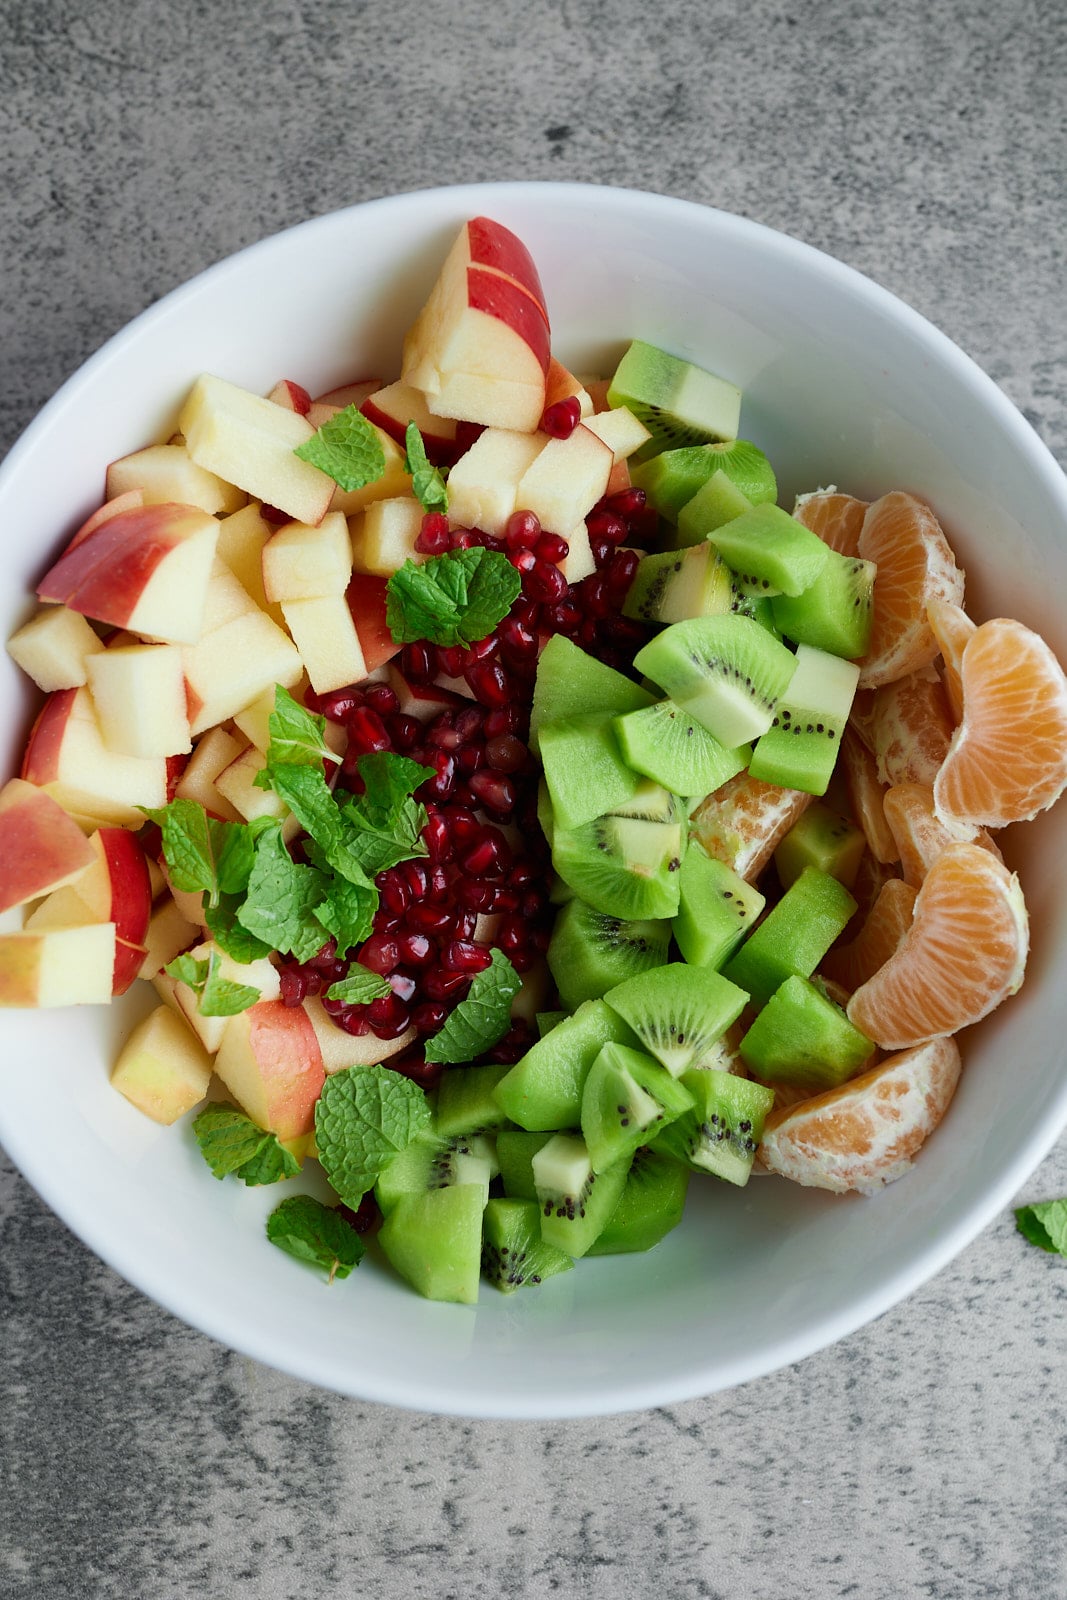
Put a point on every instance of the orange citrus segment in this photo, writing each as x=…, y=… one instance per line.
x=964, y=953
x=865, y=795
x=836, y=518
x=952, y=627
x=743, y=822
x=1008, y=758
x=920, y=836
x=907, y=726
x=879, y=938
x=866, y=1133
x=915, y=566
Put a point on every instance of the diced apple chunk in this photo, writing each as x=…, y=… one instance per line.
x=213, y=752
x=66, y=755
x=53, y=647
x=566, y=481
x=393, y=407
x=341, y=1050
x=366, y=602
x=139, y=695
x=169, y=933
x=233, y=664
x=563, y=385
x=578, y=563
x=293, y=396
x=271, y=1063
x=237, y=784
x=620, y=430
x=383, y=538
x=57, y=966
x=325, y=635
x=241, y=541
x=259, y=975
x=483, y=485
x=394, y=480
x=167, y=473
x=249, y=441
x=162, y=1069
x=305, y=563
x=41, y=847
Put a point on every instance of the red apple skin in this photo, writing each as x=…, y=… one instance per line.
x=350, y=394
x=499, y=297
x=176, y=765
x=103, y=575
x=40, y=846
x=40, y=764
x=366, y=602
x=131, y=889
x=293, y=396
x=285, y=1047
x=393, y=407
x=110, y=508
x=492, y=245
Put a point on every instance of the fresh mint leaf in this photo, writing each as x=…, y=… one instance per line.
x=347, y=912
x=359, y=988
x=297, y=736
x=234, y=844
x=215, y=996
x=231, y=1142
x=312, y=1232
x=363, y=1118
x=427, y=484
x=385, y=823
x=229, y=934
x=480, y=1020
x=188, y=846
x=1045, y=1224
x=347, y=448
x=281, y=900
x=306, y=793
x=454, y=599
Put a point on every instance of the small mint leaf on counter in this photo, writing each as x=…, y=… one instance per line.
x=315, y=1233
x=1045, y=1224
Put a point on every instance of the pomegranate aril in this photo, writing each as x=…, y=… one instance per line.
x=388, y=1017
x=419, y=662
x=489, y=682
x=564, y=618
x=644, y=525
x=366, y=1216
x=415, y=949
x=464, y=924
x=516, y=639
x=434, y=538
x=464, y=826
x=550, y=547
x=450, y=660
x=416, y=879
x=466, y=433
x=463, y=955
x=395, y=894
x=545, y=583
x=469, y=722
x=428, y=918
x=429, y=1016
x=437, y=835
x=625, y=631
x=381, y=698
x=626, y=503
x=379, y=954
x=507, y=720
x=442, y=734
x=479, y=651
x=560, y=420
x=505, y=753
x=354, y=1020
x=339, y=704
x=493, y=789
x=605, y=525
x=292, y=986
x=522, y=530
x=507, y=900
x=476, y=894
x=440, y=786
x=413, y=1064
x=523, y=561
x=366, y=732
x=620, y=572
x=470, y=759
x=442, y=985
x=404, y=731
x=438, y=886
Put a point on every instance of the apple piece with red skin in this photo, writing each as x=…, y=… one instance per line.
x=618, y=478
x=66, y=755
x=366, y=602
x=423, y=701
x=117, y=889
x=57, y=966
x=341, y=1049
x=166, y=473
x=489, y=244
x=104, y=513
x=53, y=647
x=41, y=847
x=260, y=974
x=393, y=407
x=139, y=695
x=567, y=479
x=563, y=385
x=162, y=1069
x=348, y=394
x=293, y=396
x=146, y=569
x=271, y=1062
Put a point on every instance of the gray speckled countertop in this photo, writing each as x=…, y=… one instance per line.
x=927, y=1454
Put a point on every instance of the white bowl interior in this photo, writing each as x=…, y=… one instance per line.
x=842, y=384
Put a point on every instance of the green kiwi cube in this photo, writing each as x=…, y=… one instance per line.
x=466, y=1103
x=514, y=1254
x=590, y=952
x=835, y=612
x=575, y=1201
x=727, y=671
x=716, y=909
x=792, y=938
x=819, y=838
x=801, y=1037
x=650, y=802
x=674, y=585
x=799, y=749
x=432, y=1162
x=651, y=1204
x=544, y=1089
x=515, y=1149
x=545, y=1021
x=572, y=683
x=626, y=867
x=673, y=748
x=626, y=1098
x=678, y=1011
x=673, y=477
x=434, y=1240
x=719, y=501
x=584, y=769
x=722, y=1132
x=678, y=402
x=770, y=552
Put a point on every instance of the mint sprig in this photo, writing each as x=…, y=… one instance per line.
x=427, y=484
x=363, y=1118
x=347, y=448
x=315, y=1233
x=359, y=987
x=480, y=1020
x=204, y=855
x=454, y=599
x=231, y=1142
x=297, y=736
x=385, y=823
x=215, y=996
x=1044, y=1224
x=279, y=907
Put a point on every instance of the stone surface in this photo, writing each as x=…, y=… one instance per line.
x=925, y=1455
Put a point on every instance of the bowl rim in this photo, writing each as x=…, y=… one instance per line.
x=613, y=1398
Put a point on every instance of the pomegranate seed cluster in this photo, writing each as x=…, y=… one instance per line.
x=484, y=880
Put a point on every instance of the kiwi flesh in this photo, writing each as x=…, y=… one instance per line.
x=675, y=750
x=727, y=671
x=719, y=501
x=590, y=952
x=770, y=552
x=575, y=1201
x=515, y=1149
x=799, y=749
x=672, y=479
x=793, y=938
x=716, y=908
x=572, y=683
x=547, y=1020
x=651, y=1204
x=836, y=612
x=466, y=1103
x=801, y=1037
x=674, y=585
x=678, y=402
x=584, y=769
x=431, y=1162
x=514, y=1254
x=623, y=866
x=434, y=1240
x=722, y=1132
x=543, y=1091
x=678, y=1011
x=626, y=1098
x=819, y=838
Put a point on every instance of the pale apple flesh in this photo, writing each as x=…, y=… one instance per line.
x=167, y=473
x=53, y=648
x=383, y=538
x=483, y=486
x=57, y=966
x=366, y=602
x=139, y=695
x=305, y=563
x=393, y=407
x=67, y=756
x=162, y=1069
x=271, y=1062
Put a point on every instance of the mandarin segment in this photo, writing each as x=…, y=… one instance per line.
x=952, y=628
x=919, y=833
x=745, y=820
x=916, y=566
x=964, y=953
x=836, y=518
x=1008, y=758
x=865, y=1134
x=880, y=937
x=866, y=794
x=908, y=727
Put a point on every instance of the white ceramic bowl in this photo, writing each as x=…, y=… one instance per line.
x=842, y=384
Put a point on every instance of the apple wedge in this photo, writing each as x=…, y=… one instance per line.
x=563, y=385
x=249, y=441
x=66, y=755
x=305, y=563
x=117, y=889
x=348, y=394
x=271, y=1062
x=620, y=430
x=293, y=396
x=167, y=473
x=483, y=485
x=139, y=695
x=212, y=754
x=162, y=1069
x=383, y=538
x=241, y=653
x=393, y=407
x=324, y=632
x=145, y=569
x=236, y=783
x=340, y=1049
x=41, y=847
x=104, y=513
x=578, y=563
x=242, y=538
x=53, y=647
x=57, y=966
x=567, y=479
x=169, y=933
x=366, y=604
x=259, y=975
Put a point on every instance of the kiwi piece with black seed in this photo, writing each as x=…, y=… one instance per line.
x=678, y=1011
x=770, y=552
x=571, y=682
x=676, y=584
x=651, y=1204
x=673, y=479
x=543, y=1091
x=678, y=402
x=793, y=937
x=575, y=1201
x=727, y=671
x=431, y=1162
x=626, y=1098
x=515, y=1149
x=590, y=952
x=624, y=866
x=819, y=838
x=466, y=1103
x=674, y=749
x=835, y=612
x=799, y=749
x=716, y=909
x=722, y=1132
x=514, y=1255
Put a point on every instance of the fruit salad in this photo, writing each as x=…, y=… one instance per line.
x=516, y=810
